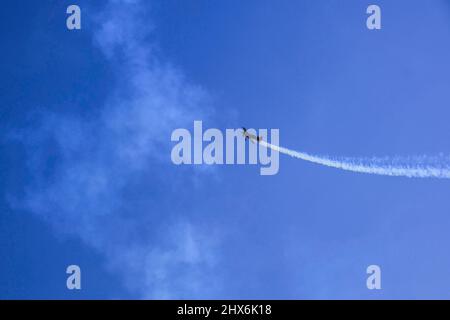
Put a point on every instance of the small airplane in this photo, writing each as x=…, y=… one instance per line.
x=251, y=137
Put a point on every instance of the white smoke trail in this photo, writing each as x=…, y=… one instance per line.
x=411, y=167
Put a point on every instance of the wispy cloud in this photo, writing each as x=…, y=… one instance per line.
x=109, y=180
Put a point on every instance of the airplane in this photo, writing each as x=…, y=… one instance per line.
x=249, y=136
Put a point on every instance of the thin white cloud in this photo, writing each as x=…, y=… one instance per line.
x=92, y=190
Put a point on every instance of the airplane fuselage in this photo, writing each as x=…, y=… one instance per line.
x=251, y=137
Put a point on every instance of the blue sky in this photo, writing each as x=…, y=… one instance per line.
x=85, y=150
